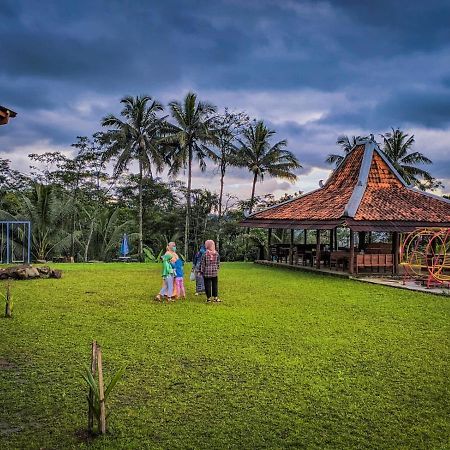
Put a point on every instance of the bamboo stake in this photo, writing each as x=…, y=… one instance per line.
x=8, y=312
x=101, y=391
x=91, y=394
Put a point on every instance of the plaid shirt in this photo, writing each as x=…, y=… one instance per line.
x=209, y=265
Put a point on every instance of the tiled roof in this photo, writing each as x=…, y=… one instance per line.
x=326, y=203
x=364, y=188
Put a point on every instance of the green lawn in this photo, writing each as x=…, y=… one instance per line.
x=288, y=360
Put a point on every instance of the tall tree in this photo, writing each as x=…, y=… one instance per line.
x=397, y=146
x=227, y=128
x=136, y=137
x=346, y=144
x=190, y=136
x=261, y=157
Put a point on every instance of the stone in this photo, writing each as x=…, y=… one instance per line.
x=55, y=273
x=27, y=271
x=32, y=272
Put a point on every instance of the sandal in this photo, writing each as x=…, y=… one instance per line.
x=217, y=300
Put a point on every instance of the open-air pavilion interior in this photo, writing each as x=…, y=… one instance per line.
x=358, y=217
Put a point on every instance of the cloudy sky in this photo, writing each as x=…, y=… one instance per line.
x=312, y=70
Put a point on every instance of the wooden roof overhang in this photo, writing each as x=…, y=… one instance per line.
x=365, y=193
x=292, y=224
x=5, y=114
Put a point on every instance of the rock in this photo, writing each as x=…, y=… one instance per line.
x=19, y=274
x=25, y=272
x=32, y=272
x=55, y=273
x=44, y=271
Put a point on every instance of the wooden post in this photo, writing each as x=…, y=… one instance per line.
x=269, y=239
x=101, y=391
x=305, y=236
x=331, y=240
x=8, y=311
x=291, y=249
x=361, y=240
x=336, y=243
x=318, y=249
x=352, y=251
x=91, y=394
x=395, y=250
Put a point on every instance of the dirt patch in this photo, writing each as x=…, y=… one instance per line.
x=7, y=365
x=6, y=429
x=86, y=436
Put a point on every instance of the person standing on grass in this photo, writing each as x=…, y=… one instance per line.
x=199, y=282
x=168, y=289
x=209, y=268
x=179, y=278
x=168, y=278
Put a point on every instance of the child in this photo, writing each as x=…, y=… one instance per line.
x=168, y=277
x=179, y=274
x=209, y=268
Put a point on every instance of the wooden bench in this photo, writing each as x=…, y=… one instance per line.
x=339, y=257
x=371, y=261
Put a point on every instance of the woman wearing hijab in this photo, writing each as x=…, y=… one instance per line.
x=209, y=268
x=199, y=282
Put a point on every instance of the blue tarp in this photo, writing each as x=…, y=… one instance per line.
x=124, y=247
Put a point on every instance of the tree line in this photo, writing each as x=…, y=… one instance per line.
x=79, y=209
x=81, y=205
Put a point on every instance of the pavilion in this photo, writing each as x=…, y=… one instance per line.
x=364, y=194
x=6, y=114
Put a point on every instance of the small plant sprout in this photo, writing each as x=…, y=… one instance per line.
x=97, y=395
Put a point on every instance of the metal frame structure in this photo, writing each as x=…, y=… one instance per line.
x=425, y=254
x=7, y=229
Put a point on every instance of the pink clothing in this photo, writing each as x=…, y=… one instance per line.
x=179, y=282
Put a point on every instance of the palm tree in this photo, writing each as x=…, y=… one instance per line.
x=189, y=136
x=397, y=147
x=346, y=144
x=136, y=136
x=260, y=157
x=48, y=214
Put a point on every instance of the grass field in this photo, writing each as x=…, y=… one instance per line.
x=288, y=360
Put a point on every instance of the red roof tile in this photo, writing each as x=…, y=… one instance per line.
x=359, y=190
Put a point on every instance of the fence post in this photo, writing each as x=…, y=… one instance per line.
x=91, y=394
x=101, y=391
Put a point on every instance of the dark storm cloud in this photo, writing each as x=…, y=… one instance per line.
x=388, y=62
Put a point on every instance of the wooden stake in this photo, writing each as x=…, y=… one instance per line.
x=318, y=256
x=101, y=391
x=8, y=312
x=352, y=252
x=91, y=394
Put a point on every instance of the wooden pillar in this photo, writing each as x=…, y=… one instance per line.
x=305, y=236
x=336, y=243
x=291, y=249
x=352, y=251
x=318, y=249
x=361, y=240
x=331, y=240
x=269, y=240
x=395, y=250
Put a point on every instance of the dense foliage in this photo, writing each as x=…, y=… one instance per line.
x=81, y=205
